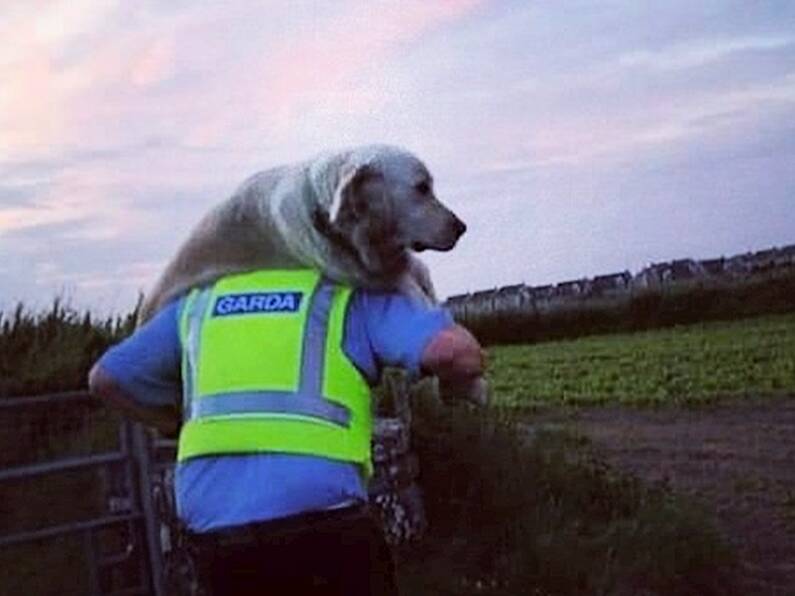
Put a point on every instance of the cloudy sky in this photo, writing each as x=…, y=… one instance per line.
x=574, y=137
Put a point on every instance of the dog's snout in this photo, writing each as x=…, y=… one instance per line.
x=459, y=227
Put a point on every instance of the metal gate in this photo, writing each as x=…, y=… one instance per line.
x=75, y=515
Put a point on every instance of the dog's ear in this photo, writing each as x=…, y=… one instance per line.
x=348, y=204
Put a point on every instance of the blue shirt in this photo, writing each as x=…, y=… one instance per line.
x=214, y=492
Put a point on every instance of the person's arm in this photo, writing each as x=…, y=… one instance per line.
x=455, y=356
x=422, y=339
x=163, y=418
x=141, y=375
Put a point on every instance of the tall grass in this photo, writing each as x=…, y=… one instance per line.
x=516, y=514
x=53, y=350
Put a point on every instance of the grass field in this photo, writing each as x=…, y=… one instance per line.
x=680, y=365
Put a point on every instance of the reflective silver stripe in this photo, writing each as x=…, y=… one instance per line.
x=313, y=354
x=271, y=402
x=198, y=308
x=308, y=400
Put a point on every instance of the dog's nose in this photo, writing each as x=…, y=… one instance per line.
x=460, y=227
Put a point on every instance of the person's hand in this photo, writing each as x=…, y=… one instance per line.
x=163, y=418
x=455, y=356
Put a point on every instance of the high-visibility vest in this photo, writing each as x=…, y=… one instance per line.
x=264, y=371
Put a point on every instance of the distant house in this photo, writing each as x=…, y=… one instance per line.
x=764, y=260
x=684, y=270
x=786, y=256
x=611, y=284
x=658, y=275
x=511, y=298
x=739, y=264
x=714, y=266
x=541, y=296
x=481, y=303
x=542, y=292
x=457, y=305
x=651, y=277
x=606, y=291
x=573, y=288
x=456, y=300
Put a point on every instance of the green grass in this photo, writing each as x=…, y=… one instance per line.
x=679, y=365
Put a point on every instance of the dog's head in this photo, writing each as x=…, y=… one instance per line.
x=384, y=206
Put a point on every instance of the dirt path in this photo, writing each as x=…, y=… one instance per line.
x=736, y=459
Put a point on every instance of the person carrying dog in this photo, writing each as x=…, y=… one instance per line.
x=271, y=371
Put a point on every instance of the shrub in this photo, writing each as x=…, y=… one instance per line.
x=53, y=350
x=516, y=513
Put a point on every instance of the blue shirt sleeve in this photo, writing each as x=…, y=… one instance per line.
x=147, y=364
x=388, y=329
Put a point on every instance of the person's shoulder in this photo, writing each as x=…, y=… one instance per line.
x=379, y=300
x=146, y=364
x=168, y=313
x=398, y=327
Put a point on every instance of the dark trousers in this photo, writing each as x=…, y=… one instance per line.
x=339, y=552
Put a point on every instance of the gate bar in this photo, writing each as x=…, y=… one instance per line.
x=67, y=529
x=99, y=459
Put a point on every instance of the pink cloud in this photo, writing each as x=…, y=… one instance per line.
x=100, y=95
x=323, y=66
x=74, y=74
x=28, y=116
x=40, y=81
x=154, y=64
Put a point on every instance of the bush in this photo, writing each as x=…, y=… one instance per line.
x=53, y=350
x=514, y=513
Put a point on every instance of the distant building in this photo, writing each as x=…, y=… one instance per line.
x=650, y=278
x=684, y=270
x=573, y=288
x=714, y=266
x=739, y=265
x=542, y=292
x=457, y=305
x=764, y=260
x=786, y=256
x=611, y=284
x=456, y=300
x=511, y=298
x=481, y=303
x=615, y=287
x=658, y=275
x=542, y=296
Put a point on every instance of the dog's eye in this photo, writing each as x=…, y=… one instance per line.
x=423, y=188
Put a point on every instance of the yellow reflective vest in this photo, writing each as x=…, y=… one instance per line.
x=264, y=371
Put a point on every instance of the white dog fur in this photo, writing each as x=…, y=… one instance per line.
x=356, y=215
